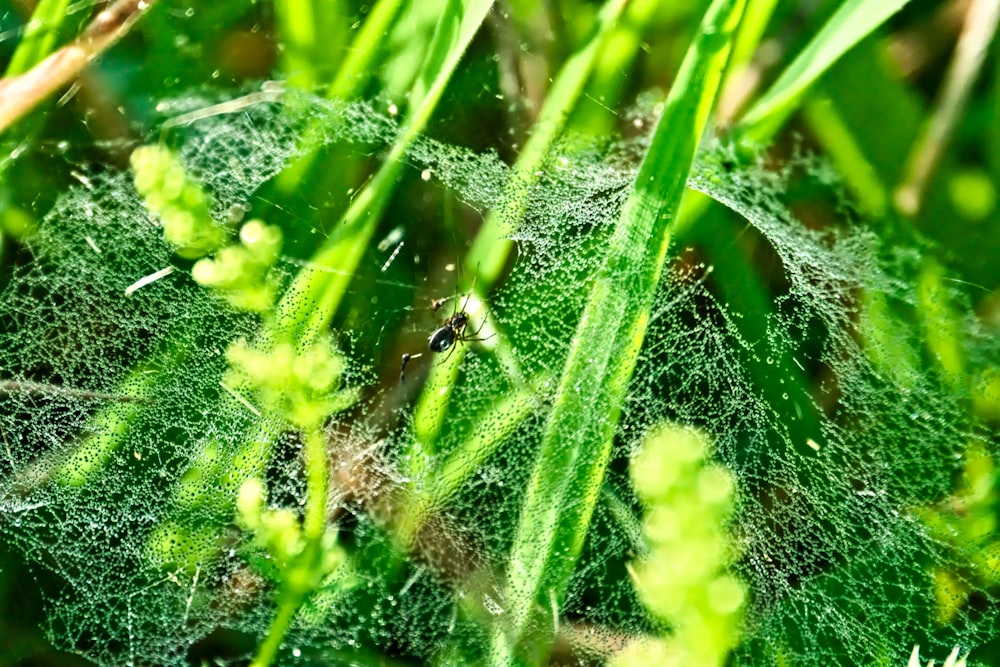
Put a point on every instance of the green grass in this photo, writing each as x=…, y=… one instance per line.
x=851, y=23
x=579, y=430
x=40, y=36
x=482, y=512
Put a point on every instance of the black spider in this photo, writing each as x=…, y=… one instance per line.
x=443, y=338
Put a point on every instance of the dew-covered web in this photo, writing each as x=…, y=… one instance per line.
x=836, y=458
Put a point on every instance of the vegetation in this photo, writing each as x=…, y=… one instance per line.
x=504, y=333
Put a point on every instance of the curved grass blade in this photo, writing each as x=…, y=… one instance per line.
x=576, y=444
x=491, y=249
x=854, y=21
x=313, y=297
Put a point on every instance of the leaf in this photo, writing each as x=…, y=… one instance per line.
x=854, y=21
x=576, y=444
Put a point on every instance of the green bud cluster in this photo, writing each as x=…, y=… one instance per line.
x=683, y=579
x=242, y=271
x=280, y=534
x=299, y=386
x=178, y=200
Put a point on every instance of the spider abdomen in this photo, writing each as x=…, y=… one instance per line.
x=441, y=339
x=444, y=336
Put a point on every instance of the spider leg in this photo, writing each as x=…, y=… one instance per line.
x=474, y=336
x=470, y=339
x=465, y=303
x=451, y=350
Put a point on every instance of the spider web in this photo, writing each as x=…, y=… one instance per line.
x=109, y=400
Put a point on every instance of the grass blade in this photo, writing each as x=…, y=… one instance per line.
x=40, y=36
x=491, y=249
x=854, y=21
x=576, y=443
x=313, y=297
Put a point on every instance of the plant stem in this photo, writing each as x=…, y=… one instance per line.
x=282, y=620
x=314, y=450
x=22, y=93
x=308, y=566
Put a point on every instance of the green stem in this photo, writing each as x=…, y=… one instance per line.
x=276, y=632
x=314, y=524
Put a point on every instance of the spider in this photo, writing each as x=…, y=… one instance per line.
x=443, y=338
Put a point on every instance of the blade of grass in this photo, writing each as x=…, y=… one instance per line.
x=743, y=78
x=886, y=145
x=843, y=149
x=491, y=248
x=616, y=55
x=314, y=295
x=314, y=37
x=850, y=24
x=576, y=443
x=755, y=21
x=351, y=76
x=504, y=415
x=296, y=22
x=40, y=34
x=356, y=66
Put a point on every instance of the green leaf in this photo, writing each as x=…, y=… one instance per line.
x=40, y=35
x=855, y=20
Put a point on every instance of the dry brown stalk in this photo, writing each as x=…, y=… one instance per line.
x=20, y=94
